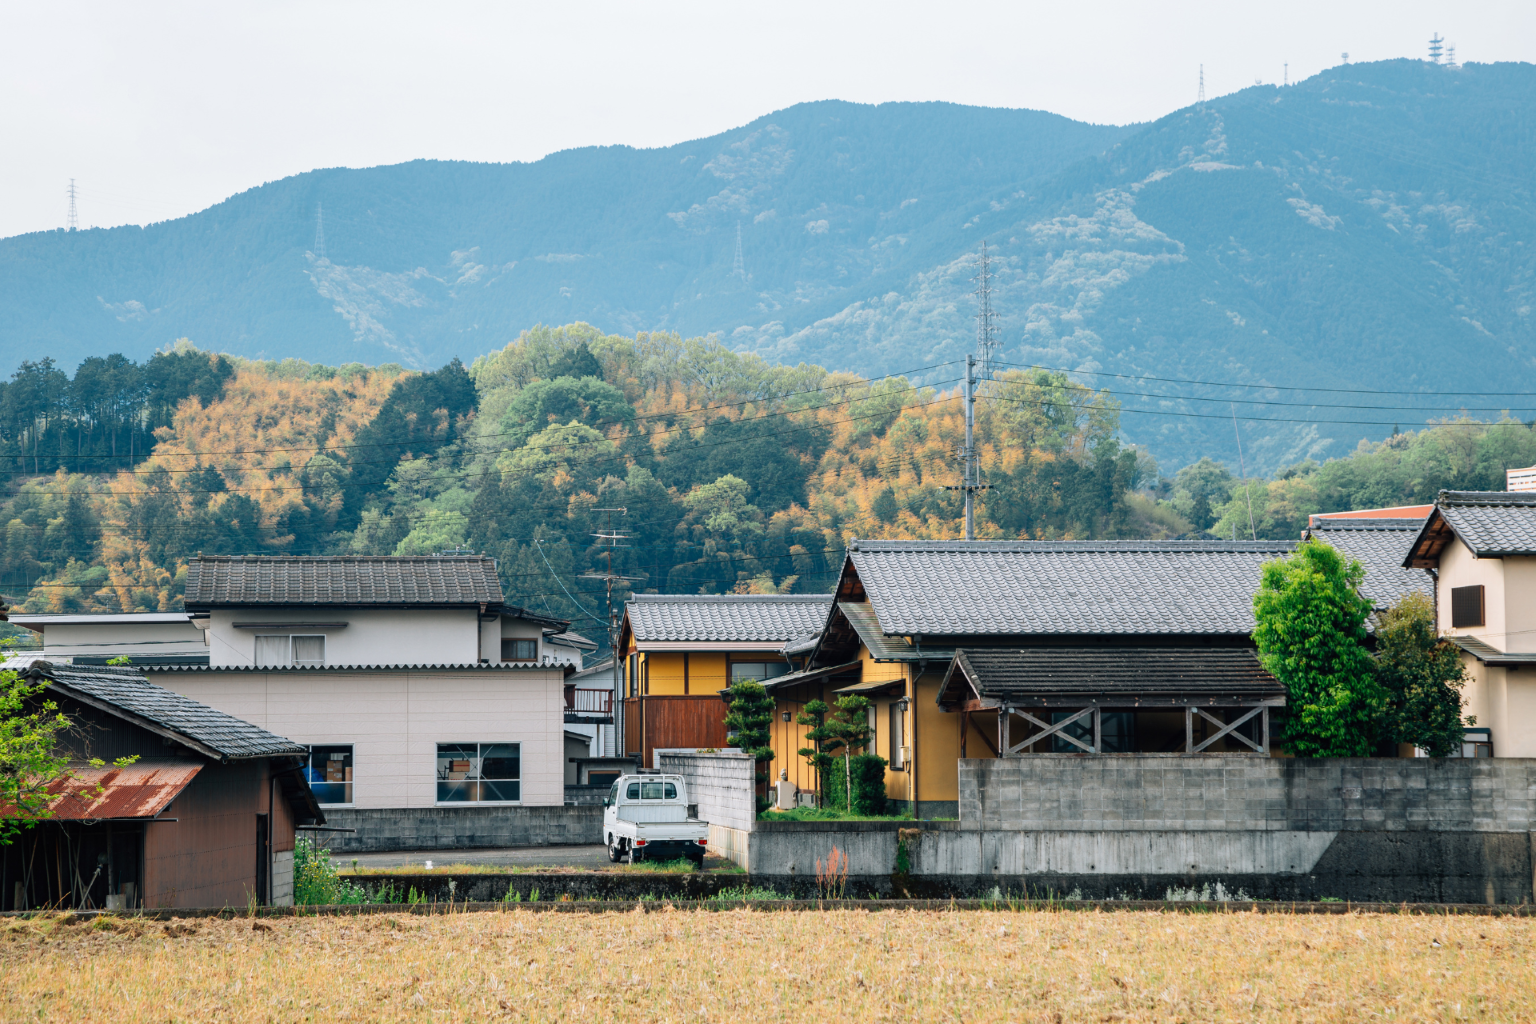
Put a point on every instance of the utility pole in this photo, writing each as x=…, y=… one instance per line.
x=970, y=447
x=73, y=224
x=611, y=540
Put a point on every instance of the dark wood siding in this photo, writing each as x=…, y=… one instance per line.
x=1466, y=606
x=673, y=721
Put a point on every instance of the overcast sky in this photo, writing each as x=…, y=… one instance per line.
x=161, y=109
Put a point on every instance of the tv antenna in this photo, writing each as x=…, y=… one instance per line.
x=739, y=267
x=1435, y=43
x=319, y=231
x=73, y=224
x=1201, y=100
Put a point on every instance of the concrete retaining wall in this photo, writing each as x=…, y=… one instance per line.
x=460, y=828
x=1243, y=793
x=722, y=786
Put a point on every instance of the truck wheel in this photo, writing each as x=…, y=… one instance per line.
x=698, y=861
x=614, y=850
x=635, y=855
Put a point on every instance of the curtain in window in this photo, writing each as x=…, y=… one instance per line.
x=272, y=651
x=309, y=650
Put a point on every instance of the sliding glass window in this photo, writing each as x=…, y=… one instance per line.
x=479, y=772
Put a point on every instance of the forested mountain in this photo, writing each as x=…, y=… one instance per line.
x=734, y=474
x=1370, y=228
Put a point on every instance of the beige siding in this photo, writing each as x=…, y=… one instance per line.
x=394, y=721
x=372, y=636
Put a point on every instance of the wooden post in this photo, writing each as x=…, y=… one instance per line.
x=1098, y=732
x=965, y=730
x=1002, y=730
x=1189, y=730
x=1264, y=730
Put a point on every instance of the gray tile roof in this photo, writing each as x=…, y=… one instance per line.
x=126, y=690
x=1133, y=674
x=731, y=617
x=250, y=581
x=1380, y=545
x=1490, y=655
x=1492, y=523
x=956, y=588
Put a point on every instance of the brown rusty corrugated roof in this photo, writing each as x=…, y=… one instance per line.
x=257, y=580
x=141, y=790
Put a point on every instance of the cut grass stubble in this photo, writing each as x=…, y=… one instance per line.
x=1046, y=965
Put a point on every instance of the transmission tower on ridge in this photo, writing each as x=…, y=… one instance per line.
x=1450, y=56
x=1201, y=100
x=73, y=224
x=739, y=267
x=1435, y=43
x=319, y=231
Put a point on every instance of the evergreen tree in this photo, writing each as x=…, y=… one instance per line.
x=1422, y=675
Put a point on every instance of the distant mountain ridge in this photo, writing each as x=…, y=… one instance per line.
x=1370, y=228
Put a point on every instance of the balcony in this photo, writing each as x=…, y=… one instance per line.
x=593, y=707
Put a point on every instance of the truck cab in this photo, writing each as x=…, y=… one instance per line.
x=645, y=817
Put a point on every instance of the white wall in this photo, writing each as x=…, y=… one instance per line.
x=372, y=636
x=134, y=639
x=395, y=719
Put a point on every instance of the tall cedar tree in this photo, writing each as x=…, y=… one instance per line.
x=1311, y=636
x=848, y=727
x=1422, y=675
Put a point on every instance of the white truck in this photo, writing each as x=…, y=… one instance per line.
x=645, y=817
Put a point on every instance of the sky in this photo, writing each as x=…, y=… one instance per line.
x=157, y=110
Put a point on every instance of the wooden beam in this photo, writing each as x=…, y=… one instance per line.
x=1048, y=731
x=1227, y=729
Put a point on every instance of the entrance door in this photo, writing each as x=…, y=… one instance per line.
x=263, y=859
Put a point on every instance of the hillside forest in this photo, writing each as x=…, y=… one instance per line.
x=674, y=462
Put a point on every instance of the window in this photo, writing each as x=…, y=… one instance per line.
x=519, y=650
x=650, y=791
x=330, y=774
x=757, y=670
x=897, y=764
x=290, y=651
x=1477, y=743
x=478, y=772
x=1466, y=606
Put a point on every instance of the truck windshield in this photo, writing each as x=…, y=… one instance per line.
x=613, y=793
x=658, y=791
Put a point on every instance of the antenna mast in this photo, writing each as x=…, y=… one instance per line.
x=73, y=224
x=1435, y=43
x=739, y=267
x=319, y=231
x=1201, y=100
x=986, y=331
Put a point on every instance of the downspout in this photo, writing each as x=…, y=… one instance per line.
x=479, y=637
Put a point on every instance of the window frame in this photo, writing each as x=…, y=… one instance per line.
x=1460, y=612
x=350, y=765
x=896, y=729
x=475, y=773
x=290, y=660
x=515, y=642
x=293, y=659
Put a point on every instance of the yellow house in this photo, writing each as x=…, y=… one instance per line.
x=681, y=650
x=976, y=648
x=1480, y=547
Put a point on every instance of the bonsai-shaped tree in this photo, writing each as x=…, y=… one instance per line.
x=1422, y=675
x=847, y=728
x=1311, y=636
x=748, y=720
x=814, y=714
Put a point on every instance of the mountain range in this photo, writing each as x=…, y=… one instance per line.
x=1247, y=268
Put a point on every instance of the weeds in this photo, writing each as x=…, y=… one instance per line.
x=1207, y=894
x=747, y=893
x=832, y=875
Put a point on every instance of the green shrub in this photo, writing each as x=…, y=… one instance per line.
x=317, y=883
x=868, y=772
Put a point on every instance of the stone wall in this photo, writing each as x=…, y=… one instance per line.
x=460, y=828
x=1154, y=792
x=722, y=786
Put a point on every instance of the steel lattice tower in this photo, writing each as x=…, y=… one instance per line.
x=73, y=224
x=320, y=231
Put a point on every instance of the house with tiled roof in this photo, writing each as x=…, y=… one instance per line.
x=1480, y=547
x=433, y=713
x=981, y=648
x=204, y=816
x=681, y=650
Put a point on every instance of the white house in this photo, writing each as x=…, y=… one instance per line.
x=416, y=688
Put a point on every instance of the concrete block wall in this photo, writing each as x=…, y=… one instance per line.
x=723, y=786
x=460, y=828
x=1153, y=792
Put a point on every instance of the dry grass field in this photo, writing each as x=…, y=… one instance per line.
x=748, y=965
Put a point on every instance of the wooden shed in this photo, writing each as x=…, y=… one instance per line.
x=205, y=817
